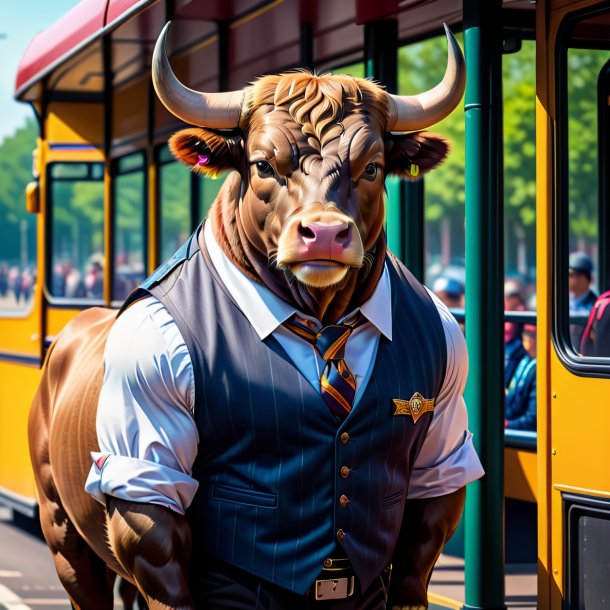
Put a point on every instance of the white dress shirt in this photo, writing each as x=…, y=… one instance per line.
x=146, y=431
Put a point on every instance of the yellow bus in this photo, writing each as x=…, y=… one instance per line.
x=107, y=204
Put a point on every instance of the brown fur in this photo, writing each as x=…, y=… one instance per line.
x=89, y=543
x=426, y=150
x=318, y=103
x=224, y=152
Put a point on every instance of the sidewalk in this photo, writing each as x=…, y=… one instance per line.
x=447, y=585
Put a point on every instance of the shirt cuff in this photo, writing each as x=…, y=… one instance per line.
x=453, y=472
x=138, y=480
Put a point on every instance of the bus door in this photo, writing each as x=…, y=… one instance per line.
x=574, y=402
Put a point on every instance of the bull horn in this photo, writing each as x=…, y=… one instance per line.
x=215, y=110
x=413, y=112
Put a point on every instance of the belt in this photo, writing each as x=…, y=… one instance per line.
x=336, y=580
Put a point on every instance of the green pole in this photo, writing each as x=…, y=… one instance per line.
x=412, y=202
x=405, y=200
x=484, y=520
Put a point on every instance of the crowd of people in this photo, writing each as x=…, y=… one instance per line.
x=16, y=284
x=520, y=339
x=69, y=282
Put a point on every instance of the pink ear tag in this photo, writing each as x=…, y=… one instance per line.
x=203, y=160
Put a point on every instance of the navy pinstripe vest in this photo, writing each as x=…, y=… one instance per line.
x=273, y=461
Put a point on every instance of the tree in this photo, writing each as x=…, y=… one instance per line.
x=15, y=173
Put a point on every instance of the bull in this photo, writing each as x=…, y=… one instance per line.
x=301, y=214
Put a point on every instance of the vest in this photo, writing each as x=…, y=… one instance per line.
x=275, y=467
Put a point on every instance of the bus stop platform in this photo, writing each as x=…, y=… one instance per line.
x=446, y=590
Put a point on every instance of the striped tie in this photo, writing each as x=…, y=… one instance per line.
x=337, y=384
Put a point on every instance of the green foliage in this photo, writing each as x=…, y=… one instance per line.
x=174, y=182
x=584, y=66
x=422, y=66
x=15, y=173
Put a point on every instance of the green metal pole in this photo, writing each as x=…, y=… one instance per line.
x=412, y=203
x=484, y=542
x=405, y=200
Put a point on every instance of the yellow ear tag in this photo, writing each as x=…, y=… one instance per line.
x=414, y=170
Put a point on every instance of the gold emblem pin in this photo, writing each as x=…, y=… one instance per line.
x=415, y=407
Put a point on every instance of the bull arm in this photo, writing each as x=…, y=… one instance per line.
x=426, y=526
x=153, y=545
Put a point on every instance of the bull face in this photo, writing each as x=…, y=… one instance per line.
x=314, y=203
x=312, y=153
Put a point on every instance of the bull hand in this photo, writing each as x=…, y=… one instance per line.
x=153, y=545
x=426, y=526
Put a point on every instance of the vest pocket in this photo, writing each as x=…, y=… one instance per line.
x=393, y=500
x=240, y=495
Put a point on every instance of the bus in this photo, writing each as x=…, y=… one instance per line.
x=525, y=188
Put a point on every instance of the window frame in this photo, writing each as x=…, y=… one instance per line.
x=55, y=301
x=115, y=172
x=582, y=366
x=193, y=194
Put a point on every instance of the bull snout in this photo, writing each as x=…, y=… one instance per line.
x=320, y=246
x=324, y=241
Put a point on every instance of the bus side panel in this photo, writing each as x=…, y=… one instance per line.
x=18, y=384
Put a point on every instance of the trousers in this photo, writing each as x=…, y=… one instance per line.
x=220, y=586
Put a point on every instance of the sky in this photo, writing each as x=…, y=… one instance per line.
x=20, y=20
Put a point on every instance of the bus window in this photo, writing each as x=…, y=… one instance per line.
x=18, y=252
x=175, y=203
x=208, y=189
x=129, y=224
x=76, y=198
x=583, y=191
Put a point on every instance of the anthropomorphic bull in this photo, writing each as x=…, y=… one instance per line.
x=275, y=419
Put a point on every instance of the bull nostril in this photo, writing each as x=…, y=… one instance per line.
x=306, y=232
x=344, y=234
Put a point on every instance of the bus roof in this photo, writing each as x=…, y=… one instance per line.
x=116, y=37
x=51, y=47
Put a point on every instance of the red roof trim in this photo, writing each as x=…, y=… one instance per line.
x=79, y=27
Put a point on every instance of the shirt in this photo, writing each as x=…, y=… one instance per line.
x=148, y=437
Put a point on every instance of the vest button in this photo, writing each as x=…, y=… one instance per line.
x=328, y=562
x=340, y=535
x=343, y=501
x=344, y=472
x=344, y=437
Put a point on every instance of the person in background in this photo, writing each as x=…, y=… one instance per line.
x=513, y=345
x=520, y=410
x=94, y=281
x=596, y=338
x=582, y=297
x=450, y=291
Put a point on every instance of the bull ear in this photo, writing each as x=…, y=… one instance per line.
x=413, y=154
x=205, y=151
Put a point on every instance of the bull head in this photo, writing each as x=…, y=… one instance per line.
x=312, y=153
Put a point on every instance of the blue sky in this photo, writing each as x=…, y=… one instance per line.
x=20, y=20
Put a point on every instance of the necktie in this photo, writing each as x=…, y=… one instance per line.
x=337, y=384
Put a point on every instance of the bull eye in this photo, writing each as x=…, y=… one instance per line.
x=264, y=169
x=370, y=171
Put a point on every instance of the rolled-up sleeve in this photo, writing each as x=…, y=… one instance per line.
x=146, y=432
x=447, y=460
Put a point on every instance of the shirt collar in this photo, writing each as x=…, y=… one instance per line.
x=266, y=311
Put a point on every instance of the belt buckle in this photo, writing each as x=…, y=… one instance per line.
x=334, y=588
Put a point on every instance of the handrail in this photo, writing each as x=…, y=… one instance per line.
x=524, y=317
x=520, y=439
